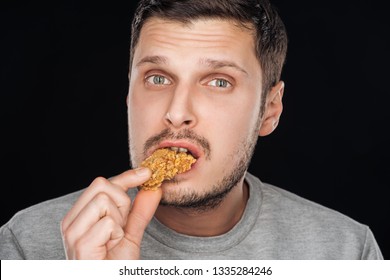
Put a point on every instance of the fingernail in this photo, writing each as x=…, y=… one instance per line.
x=141, y=171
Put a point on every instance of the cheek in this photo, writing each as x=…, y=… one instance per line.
x=228, y=132
x=233, y=122
x=143, y=122
x=145, y=111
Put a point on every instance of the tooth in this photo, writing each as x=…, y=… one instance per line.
x=183, y=150
x=174, y=149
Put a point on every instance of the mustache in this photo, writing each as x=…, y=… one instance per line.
x=187, y=134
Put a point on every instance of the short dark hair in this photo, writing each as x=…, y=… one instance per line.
x=259, y=15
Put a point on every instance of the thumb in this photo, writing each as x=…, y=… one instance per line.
x=131, y=178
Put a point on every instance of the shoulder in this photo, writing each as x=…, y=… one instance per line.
x=300, y=210
x=45, y=212
x=312, y=226
x=35, y=231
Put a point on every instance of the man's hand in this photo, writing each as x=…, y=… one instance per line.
x=104, y=223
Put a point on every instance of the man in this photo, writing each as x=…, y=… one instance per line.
x=204, y=77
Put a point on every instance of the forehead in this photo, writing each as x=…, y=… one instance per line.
x=214, y=37
x=205, y=24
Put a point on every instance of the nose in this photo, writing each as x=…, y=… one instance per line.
x=180, y=112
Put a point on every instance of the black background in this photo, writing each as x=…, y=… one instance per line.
x=63, y=112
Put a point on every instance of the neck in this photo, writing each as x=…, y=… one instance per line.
x=210, y=222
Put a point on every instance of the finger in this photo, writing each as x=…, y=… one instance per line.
x=99, y=185
x=99, y=207
x=132, y=178
x=95, y=243
x=144, y=207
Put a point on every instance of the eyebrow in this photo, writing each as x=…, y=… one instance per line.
x=217, y=64
x=155, y=59
x=212, y=63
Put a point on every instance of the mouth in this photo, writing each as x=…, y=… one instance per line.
x=181, y=147
x=182, y=150
x=165, y=163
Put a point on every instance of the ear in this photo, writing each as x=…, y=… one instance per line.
x=273, y=109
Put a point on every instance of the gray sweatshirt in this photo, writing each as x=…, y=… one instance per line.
x=276, y=224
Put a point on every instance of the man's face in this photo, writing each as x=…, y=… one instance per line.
x=196, y=86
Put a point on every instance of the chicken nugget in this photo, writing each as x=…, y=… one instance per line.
x=166, y=164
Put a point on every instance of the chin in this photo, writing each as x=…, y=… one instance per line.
x=175, y=187
x=174, y=191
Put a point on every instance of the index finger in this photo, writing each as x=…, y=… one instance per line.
x=113, y=187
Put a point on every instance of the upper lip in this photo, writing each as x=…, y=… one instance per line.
x=191, y=147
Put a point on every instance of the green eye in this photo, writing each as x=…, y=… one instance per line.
x=221, y=83
x=158, y=80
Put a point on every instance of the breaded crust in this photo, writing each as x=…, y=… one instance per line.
x=166, y=164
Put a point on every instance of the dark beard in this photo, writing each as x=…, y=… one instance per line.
x=202, y=203
x=195, y=203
